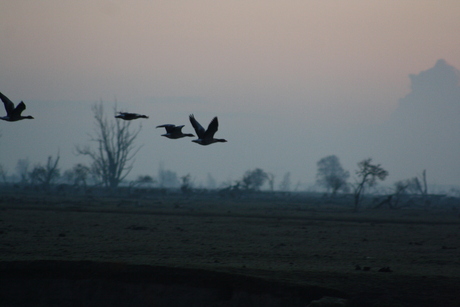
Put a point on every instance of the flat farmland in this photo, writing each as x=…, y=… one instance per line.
x=288, y=242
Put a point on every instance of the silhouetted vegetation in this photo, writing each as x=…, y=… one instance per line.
x=22, y=167
x=3, y=173
x=113, y=159
x=78, y=175
x=368, y=174
x=254, y=179
x=406, y=193
x=331, y=175
x=285, y=184
x=45, y=175
x=186, y=186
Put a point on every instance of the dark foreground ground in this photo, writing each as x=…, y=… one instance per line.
x=62, y=251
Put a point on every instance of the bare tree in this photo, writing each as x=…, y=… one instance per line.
x=22, y=167
x=271, y=181
x=254, y=180
x=367, y=177
x=114, y=157
x=285, y=184
x=393, y=200
x=186, y=186
x=3, y=173
x=331, y=175
x=418, y=185
x=78, y=175
x=45, y=175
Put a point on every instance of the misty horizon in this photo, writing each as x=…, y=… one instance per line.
x=290, y=84
x=421, y=114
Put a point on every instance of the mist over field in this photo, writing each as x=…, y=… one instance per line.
x=420, y=134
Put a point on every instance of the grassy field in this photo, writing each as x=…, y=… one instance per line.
x=288, y=241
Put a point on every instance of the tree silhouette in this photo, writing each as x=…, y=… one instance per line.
x=254, y=180
x=285, y=184
x=113, y=158
x=331, y=175
x=367, y=177
x=22, y=167
x=3, y=173
x=78, y=175
x=45, y=175
x=186, y=185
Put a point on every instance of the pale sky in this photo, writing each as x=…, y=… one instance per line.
x=286, y=78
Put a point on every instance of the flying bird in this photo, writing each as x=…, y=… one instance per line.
x=205, y=137
x=13, y=114
x=130, y=116
x=173, y=131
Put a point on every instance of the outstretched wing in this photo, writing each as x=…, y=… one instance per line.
x=178, y=128
x=196, y=125
x=19, y=108
x=169, y=127
x=212, y=128
x=9, y=105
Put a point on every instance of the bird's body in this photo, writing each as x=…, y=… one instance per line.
x=13, y=114
x=205, y=137
x=174, y=132
x=130, y=116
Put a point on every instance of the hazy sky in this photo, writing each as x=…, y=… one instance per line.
x=287, y=79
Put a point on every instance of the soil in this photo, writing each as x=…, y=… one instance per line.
x=172, y=251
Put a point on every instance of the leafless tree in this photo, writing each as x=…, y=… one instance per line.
x=271, y=181
x=113, y=158
x=393, y=199
x=285, y=184
x=3, y=173
x=331, y=175
x=368, y=174
x=418, y=185
x=45, y=175
x=78, y=175
x=186, y=185
x=22, y=167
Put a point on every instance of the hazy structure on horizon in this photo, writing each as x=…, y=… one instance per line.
x=424, y=129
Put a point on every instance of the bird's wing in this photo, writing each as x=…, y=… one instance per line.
x=9, y=105
x=169, y=127
x=196, y=125
x=178, y=128
x=19, y=108
x=212, y=128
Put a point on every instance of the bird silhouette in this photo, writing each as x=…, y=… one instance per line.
x=173, y=131
x=205, y=137
x=13, y=114
x=130, y=116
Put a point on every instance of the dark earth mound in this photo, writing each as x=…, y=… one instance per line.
x=85, y=283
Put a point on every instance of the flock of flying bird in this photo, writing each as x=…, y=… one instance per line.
x=205, y=137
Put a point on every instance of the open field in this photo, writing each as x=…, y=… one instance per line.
x=287, y=242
